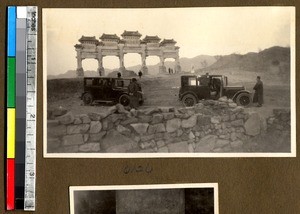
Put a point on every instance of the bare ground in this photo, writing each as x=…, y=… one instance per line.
x=162, y=90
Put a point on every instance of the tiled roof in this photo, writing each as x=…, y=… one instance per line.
x=131, y=33
x=168, y=41
x=151, y=38
x=109, y=36
x=122, y=41
x=78, y=46
x=88, y=38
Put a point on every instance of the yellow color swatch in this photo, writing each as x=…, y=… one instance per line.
x=11, y=132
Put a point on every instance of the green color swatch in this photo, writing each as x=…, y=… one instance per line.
x=11, y=82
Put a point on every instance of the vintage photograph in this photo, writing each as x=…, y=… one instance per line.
x=169, y=82
x=146, y=199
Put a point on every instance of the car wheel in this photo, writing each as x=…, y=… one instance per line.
x=124, y=100
x=189, y=100
x=243, y=99
x=87, y=99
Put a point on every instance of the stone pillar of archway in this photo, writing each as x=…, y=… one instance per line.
x=121, y=58
x=162, y=67
x=144, y=66
x=100, y=68
x=79, y=70
x=177, y=65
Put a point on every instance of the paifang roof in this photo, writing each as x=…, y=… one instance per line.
x=109, y=36
x=168, y=41
x=88, y=38
x=131, y=33
x=151, y=38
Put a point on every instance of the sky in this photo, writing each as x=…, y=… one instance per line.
x=198, y=31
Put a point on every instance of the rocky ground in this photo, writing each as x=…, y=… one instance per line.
x=210, y=126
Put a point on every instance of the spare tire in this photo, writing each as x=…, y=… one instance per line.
x=87, y=98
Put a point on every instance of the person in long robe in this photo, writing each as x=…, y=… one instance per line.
x=259, y=92
x=133, y=89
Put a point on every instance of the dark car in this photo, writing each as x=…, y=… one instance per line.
x=194, y=88
x=107, y=90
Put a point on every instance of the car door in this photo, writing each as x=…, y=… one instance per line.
x=100, y=89
x=95, y=89
x=117, y=87
x=203, y=90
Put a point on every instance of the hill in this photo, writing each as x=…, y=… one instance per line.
x=198, y=62
x=72, y=74
x=126, y=73
x=274, y=60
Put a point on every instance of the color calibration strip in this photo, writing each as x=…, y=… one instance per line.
x=11, y=107
x=21, y=107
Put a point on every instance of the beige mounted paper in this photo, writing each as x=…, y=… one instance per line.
x=154, y=199
x=169, y=82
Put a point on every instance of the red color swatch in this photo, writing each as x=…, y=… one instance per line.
x=10, y=182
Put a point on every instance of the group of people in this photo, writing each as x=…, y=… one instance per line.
x=140, y=73
x=171, y=71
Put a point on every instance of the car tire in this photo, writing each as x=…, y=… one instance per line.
x=189, y=100
x=243, y=99
x=87, y=99
x=124, y=100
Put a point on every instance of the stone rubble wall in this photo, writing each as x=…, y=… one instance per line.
x=210, y=126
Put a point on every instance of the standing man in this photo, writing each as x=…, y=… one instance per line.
x=119, y=74
x=133, y=89
x=140, y=74
x=259, y=92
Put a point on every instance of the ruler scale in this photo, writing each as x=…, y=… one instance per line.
x=30, y=151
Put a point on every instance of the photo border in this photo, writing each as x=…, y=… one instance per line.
x=145, y=186
x=292, y=153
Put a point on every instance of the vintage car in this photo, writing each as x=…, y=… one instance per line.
x=107, y=90
x=194, y=88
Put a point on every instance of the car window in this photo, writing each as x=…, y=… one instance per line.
x=88, y=82
x=122, y=83
x=119, y=83
x=105, y=82
x=126, y=83
x=203, y=81
x=192, y=81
